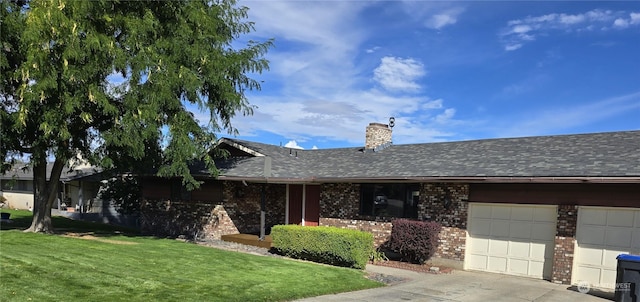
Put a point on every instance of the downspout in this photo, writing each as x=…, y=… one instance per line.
x=304, y=202
x=263, y=202
x=263, y=213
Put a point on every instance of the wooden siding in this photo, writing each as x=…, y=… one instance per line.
x=612, y=195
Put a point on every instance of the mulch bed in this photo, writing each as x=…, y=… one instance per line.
x=421, y=268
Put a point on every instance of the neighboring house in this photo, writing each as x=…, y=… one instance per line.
x=559, y=208
x=77, y=190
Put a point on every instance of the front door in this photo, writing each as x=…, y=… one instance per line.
x=304, y=205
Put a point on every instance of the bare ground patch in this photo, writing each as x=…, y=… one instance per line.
x=90, y=236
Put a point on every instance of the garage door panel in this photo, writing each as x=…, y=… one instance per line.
x=500, y=212
x=516, y=241
x=609, y=259
x=591, y=255
x=521, y=230
x=589, y=274
x=635, y=241
x=480, y=227
x=538, y=268
x=540, y=251
x=519, y=267
x=618, y=237
x=478, y=262
x=480, y=246
x=519, y=249
x=603, y=234
x=592, y=216
x=595, y=235
x=620, y=218
x=481, y=211
x=542, y=231
x=499, y=247
x=545, y=214
x=500, y=228
x=522, y=214
x=497, y=264
x=609, y=276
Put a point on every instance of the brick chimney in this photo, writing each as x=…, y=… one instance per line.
x=377, y=135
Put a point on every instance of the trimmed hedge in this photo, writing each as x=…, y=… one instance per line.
x=415, y=241
x=330, y=245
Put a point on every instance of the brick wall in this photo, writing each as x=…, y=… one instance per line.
x=432, y=206
x=242, y=203
x=446, y=204
x=340, y=200
x=165, y=218
x=237, y=212
x=381, y=230
x=340, y=207
x=564, y=244
x=376, y=135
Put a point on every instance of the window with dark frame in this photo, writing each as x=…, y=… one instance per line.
x=17, y=185
x=389, y=200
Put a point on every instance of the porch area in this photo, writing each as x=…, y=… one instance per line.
x=248, y=239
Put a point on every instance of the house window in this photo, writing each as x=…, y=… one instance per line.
x=17, y=185
x=389, y=200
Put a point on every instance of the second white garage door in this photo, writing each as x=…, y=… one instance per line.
x=511, y=239
x=603, y=234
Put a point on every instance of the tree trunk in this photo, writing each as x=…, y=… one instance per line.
x=44, y=194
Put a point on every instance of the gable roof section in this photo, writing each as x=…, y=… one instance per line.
x=607, y=157
x=24, y=172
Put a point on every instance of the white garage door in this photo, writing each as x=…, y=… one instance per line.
x=603, y=234
x=511, y=239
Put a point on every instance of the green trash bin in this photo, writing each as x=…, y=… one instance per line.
x=628, y=278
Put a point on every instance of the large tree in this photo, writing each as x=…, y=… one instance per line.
x=110, y=79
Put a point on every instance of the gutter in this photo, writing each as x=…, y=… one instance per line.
x=464, y=179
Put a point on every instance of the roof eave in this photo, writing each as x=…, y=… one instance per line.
x=462, y=179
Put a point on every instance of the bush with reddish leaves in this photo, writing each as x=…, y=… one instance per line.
x=415, y=241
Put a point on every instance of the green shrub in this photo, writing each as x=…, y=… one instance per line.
x=330, y=245
x=416, y=241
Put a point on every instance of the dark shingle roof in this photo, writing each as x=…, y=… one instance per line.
x=25, y=172
x=599, y=155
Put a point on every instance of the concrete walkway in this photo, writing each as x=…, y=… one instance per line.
x=464, y=286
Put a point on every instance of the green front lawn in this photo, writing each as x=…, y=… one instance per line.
x=105, y=264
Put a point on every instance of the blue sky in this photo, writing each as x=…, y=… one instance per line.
x=446, y=71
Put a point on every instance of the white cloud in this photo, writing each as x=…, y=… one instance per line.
x=519, y=31
x=446, y=116
x=512, y=47
x=571, y=19
x=293, y=145
x=398, y=74
x=373, y=49
x=621, y=23
x=435, y=104
x=624, y=22
x=434, y=15
x=441, y=20
x=319, y=88
x=558, y=118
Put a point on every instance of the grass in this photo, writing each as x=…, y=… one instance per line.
x=118, y=265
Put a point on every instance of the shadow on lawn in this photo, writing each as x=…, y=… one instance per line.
x=21, y=220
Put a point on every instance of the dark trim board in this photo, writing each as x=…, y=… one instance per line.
x=609, y=195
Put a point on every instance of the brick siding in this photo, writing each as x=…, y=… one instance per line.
x=565, y=239
x=237, y=212
x=381, y=230
x=340, y=207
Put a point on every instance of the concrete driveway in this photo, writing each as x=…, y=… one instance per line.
x=464, y=286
